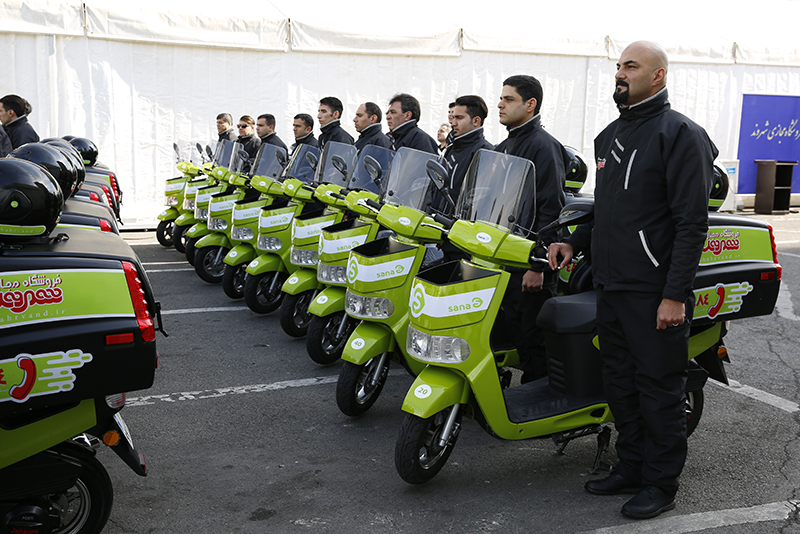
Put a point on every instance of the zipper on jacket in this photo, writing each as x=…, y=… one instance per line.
x=646, y=248
x=628, y=171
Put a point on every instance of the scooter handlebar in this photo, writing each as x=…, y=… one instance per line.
x=444, y=221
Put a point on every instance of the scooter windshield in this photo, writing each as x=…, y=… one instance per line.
x=408, y=183
x=330, y=170
x=300, y=164
x=226, y=154
x=499, y=189
x=268, y=161
x=360, y=178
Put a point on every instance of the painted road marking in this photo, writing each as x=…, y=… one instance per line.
x=757, y=394
x=149, y=271
x=165, y=263
x=789, y=254
x=776, y=511
x=784, y=305
x=204, y=310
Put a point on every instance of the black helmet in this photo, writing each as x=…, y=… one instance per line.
x=68, y=138
x=53, y=160
x=87, y=149
x=73, y=155
x=30, y=200
x=577, y=170
x=719, y=189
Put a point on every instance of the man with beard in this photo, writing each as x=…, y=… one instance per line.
x=368, y=124
x=654, y=174
x=328, y=114
x=265, y=128
x=402, y=117
x=303, y=127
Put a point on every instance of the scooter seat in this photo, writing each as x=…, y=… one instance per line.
x=572, y=314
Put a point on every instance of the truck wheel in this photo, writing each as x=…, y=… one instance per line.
x=190, y=250
x=179, y=238
x=233, y=280
x=694, y=409
x=85, y=507
x=323, y=342
x=418, y=456
x=262, y=292
x=294, y=313
x=209, y=264
x=355, y=390
x=164, y=232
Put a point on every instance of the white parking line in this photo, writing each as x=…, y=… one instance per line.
x=776, y=511
x=204, y=310
x=757, y=394
x=150, y=271
x=788, y=254
x=784, y=305
x=165, y=263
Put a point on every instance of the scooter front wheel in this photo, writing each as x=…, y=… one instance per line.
x=164, y=233
x=359, y=386
x=419, y=455
x=233, y=280
x=209, y=264
x=694, y=409
x=179, y=237
x=295, y=317
x=262, y=292
x=324, y=343
x=190, y=250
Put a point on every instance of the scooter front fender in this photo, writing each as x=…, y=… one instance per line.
x=198, y=230
x=330, y=300
x=302, y=280
x=266, y=263
x=214, y=239
x=186, y=219
x=241, y=253
x=435, y=389
x=367, y=341
x=169, y=214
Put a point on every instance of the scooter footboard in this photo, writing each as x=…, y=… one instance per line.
x=367, y=341
x=435, y=389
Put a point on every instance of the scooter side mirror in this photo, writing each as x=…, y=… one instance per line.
x=175, y=148
x=209, y=152
x=282, y=159
x=312, y=160
x=577, y=212
x=373, y=169
x=199, y=148
x=339, y=163
x=437, y=173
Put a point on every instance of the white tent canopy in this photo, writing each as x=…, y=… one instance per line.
x=136, y=77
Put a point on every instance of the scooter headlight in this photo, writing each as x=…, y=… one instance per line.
x=436, y=349
x=188, y=204
x=368, y=307
x=170, y=201
x=301, y=256
x=266, y=242
x=217, y=224
x=201, y=214
x=242, y=234
x=332, y=274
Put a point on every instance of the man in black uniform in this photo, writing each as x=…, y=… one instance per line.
x=14, y=111
x=247, y=137
x=368, y=125
x=402, y=117
x=265, y=128
x=225, y=127
x=654, y=175
x=303, y=127
x=519, y=106
x=329, y=114
x=5, y=144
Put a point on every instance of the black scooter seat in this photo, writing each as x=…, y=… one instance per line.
x=537, y=400
x=572, y=314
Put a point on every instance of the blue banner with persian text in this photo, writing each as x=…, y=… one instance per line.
x=770, y=129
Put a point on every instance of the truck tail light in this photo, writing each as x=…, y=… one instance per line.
x=105, y=226
x=139, y=302
x=94, y=197
x=775, y=252
x=114, y=186
x=108, y=196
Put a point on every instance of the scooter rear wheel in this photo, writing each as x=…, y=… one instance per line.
x=208, y=263
x=323, y=342
x=262, y=292
x=417, y=455
x=694, y=409
x=179, y=238
x=164, y=233
x=233, y=280
x=355, y=393
x=294, y=313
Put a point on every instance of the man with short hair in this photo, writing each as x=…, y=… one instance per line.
x=5, y=144
x=654, y=175
x=519, y=111
x=303, y=128
x=14, y=111
x=328, y=114
x=225, y=127
x=249, y=140
x=368, y=124
x=265, y=129
x=402, y=117
x=443, y=134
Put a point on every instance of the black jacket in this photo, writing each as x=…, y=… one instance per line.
x=307, y=139
x=410, y=135
x=333, y=131
x=273, y=139
x=532, y=142
x=250, y=144
x=5, y=143
x=457, y=157
x=20, y=132
x=372, y=135
x=229, y=134
x=654, y=175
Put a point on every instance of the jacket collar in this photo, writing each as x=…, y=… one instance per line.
x=307, y=137
x=372, y=129
x=527, y=127
x=649, y=107
x=403, y=129
x=264, y=139
x=330, y=126
x=468, y=138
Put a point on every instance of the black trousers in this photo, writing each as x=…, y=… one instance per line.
x=521, y=310
x=644, y=374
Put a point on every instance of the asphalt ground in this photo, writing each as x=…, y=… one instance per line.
x=242, y=434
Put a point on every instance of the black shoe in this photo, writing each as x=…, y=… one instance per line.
x=613, y=484
x=649, y=502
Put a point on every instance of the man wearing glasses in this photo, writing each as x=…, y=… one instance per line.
x=247, y=137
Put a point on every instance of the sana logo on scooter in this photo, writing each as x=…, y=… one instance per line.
x=352, y=270
x=417, y=300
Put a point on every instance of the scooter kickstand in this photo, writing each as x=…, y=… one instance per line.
x=603, y=440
